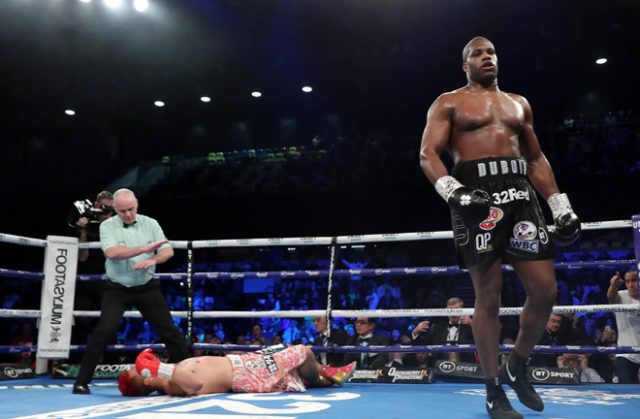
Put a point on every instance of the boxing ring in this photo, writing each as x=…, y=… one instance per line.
x=45, y=397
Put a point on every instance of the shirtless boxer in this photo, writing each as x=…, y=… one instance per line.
x=272, y=369
x=495, y=212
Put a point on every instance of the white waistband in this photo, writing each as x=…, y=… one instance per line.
x=236, y=361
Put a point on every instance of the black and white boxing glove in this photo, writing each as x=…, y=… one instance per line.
x=566, y=221
x=471, y=204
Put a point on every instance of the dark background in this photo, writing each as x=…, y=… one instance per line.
x=375, y=66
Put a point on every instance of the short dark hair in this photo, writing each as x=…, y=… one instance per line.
x=467, y=48
x=104, y=195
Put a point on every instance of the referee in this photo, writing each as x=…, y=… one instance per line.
x=133, y=245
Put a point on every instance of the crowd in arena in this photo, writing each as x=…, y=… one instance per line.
x=574, y=146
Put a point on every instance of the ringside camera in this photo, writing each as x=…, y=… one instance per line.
x=85, y=208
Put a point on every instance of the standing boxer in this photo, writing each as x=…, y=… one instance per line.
x=495, y=211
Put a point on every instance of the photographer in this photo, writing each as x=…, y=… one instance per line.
x=86, y=217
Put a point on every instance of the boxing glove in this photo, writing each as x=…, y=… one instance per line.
x=567, y=223
x=473, y=205
x=148, y=365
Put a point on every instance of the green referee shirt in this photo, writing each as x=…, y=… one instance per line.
x=114, y=233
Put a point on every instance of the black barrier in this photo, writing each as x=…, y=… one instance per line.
x=393, y=375
x=545, y=375
x=458, y=370
x=462, y=371
x=15, y=372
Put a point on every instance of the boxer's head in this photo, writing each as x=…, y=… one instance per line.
x=480, y=61
x=130, y=383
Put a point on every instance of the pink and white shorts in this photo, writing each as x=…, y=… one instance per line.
x=260, y=373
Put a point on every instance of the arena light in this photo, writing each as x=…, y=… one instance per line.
x=307, y=89
x=205, y=99
x=256, y=94
x=70, y=112
x=141, y=5
x=85, y=1
x=601, y=60
x=159, y=103
x=113, y=4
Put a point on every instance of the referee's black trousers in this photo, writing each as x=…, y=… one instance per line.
x=148, y=299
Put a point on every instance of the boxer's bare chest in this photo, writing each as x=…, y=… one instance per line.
x=474, y=111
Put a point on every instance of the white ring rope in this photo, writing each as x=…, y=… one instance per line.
x=424, y=312
x=306, y=241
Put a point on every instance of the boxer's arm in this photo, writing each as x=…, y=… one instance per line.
x=165, y=386
x=612, y=292
x=435, y=139
x=538, y=167
x=472, y=204
x=542, y=178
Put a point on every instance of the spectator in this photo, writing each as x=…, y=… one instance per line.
x=422, y=360
x=580, y=364
x=338, y=337
x=257, y=336
x=366, y=336
x=291, y=333
x=627, y=365
x=604, y=363
x=552, y=335
x=395, y=360
x=456, y=330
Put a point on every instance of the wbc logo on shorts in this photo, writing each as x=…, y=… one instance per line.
x=525, y=230
x=495, y=215
x=524, y=237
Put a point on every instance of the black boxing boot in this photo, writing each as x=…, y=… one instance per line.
x=514, y=373
x=497, y=403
